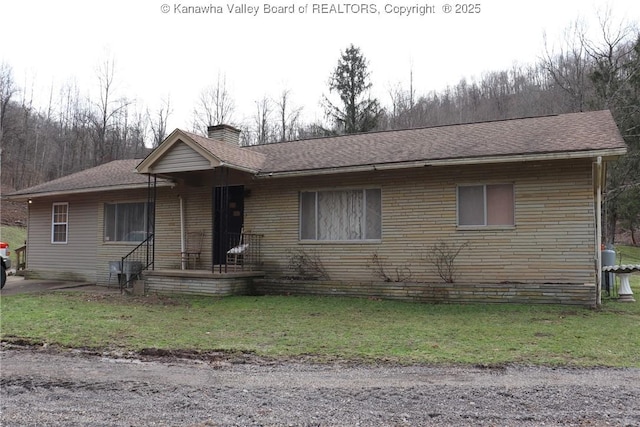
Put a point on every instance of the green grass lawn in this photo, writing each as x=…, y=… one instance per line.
x=627, y=254
x=329, y=328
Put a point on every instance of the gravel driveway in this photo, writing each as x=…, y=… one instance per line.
x=49, y=387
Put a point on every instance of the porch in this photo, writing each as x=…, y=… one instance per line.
x=233, y=276
x=195, y=229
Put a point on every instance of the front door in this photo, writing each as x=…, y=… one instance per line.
x=229, y=218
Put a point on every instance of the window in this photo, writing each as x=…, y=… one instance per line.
x=59, y=222
x=341, y=215
x=481, y=205
x=126, y=222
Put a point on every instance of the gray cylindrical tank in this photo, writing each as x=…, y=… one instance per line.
x=608, y=258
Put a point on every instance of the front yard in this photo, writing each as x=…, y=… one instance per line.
x=331, y=328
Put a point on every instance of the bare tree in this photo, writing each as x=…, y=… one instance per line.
x=7, y=90
x=262, y=122
x=399, y=115
x=28, y=139
x=615, y=75
x=68, y=127
x=108, y=107
x=289, y=117
x=568, y=67
x=609, y=58
x=137, y=130
x=158, y=121
x=215, y=106
x=74, y=130
x=403, y=101
x=67, y=134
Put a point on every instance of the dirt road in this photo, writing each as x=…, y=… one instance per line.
x=63, y=387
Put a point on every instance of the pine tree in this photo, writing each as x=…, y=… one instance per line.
x=350, y=79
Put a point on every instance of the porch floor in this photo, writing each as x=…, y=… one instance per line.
x=194, y=273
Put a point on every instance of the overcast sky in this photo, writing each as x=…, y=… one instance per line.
x=163, y=47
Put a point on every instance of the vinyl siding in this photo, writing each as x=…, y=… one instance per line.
x=86, y=256
x=180, y=158
x=552, y=240
x=74, y=260
x=113, y=251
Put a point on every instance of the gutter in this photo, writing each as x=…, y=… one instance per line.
x=26, y=196
x=238, y=168
x=603, y=154
x=167, y=175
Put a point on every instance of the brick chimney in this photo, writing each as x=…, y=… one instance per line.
x=224, y=133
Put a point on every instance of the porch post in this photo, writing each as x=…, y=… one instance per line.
x=219, y=217
x=183, y=259
x=153, y=242
x=152, y=191
x=214, y=218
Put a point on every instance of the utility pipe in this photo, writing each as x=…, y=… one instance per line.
x=598, y=209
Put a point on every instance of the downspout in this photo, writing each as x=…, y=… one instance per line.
x=29, y=228
x=183, y=261
x=598, y=247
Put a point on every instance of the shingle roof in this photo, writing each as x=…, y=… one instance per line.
x=576, y=132
x=230, y=154
x=585, y=134
x=115, y=174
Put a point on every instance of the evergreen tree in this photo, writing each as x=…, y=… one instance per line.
x=350, y=79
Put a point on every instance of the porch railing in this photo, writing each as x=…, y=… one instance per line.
x=21, y=254
x=141, y=258
x=245, y=251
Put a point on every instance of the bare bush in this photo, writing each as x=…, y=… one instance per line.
x=305, y=265
x=442, y=256
x=399, y=274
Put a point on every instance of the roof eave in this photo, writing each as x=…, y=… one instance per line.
x=170, y=175
x=37, y=195
x=241, y=168
x=606, y=154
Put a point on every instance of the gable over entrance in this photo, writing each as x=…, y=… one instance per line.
x=181, y=157
x=184, y=151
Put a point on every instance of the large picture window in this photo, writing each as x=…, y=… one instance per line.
x=486, y=205
x=59, y=222
x=126, y=222
x=341, y=215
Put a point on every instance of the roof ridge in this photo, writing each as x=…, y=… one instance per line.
x=408, y=129
x=423, y=128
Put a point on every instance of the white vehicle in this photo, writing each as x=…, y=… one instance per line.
x=5, y=261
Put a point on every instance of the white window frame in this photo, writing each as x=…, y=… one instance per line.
x=364, y=216
x=124, y=202
x=55, y=223
x=484, y=201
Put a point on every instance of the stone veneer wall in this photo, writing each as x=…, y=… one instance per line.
x=199, y=283
x=522, y=293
